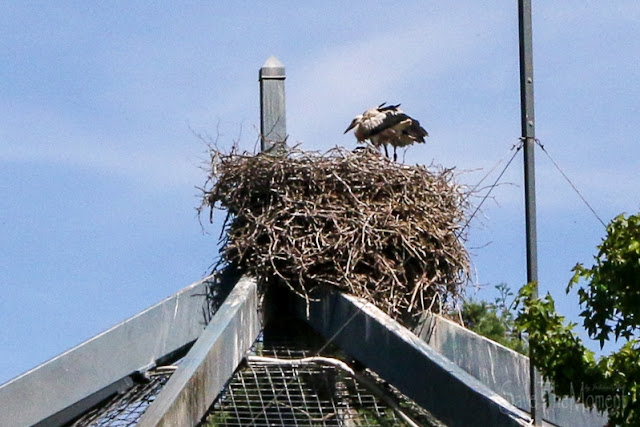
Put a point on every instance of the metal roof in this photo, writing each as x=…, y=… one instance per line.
x=130, y=364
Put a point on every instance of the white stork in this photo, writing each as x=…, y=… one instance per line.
x=387, y=125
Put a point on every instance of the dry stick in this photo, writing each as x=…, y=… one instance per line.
x=300, y=205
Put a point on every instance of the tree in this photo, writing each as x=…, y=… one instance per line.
x=494, y=320
x=609, y=296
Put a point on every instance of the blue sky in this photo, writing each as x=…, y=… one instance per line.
x=100, y=104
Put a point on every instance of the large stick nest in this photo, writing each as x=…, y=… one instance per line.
x=383, y=231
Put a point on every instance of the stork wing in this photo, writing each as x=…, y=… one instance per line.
x=415, y=131
x=384, y=120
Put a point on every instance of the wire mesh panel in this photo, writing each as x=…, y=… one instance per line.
x=267, y=395
x=125, y=409
x=289, y=386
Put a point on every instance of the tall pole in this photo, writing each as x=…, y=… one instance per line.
x=273, y=123
x=529, y=140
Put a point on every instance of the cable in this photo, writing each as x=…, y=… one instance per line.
x=571, y=184
x=486, y=176
x=518, y=147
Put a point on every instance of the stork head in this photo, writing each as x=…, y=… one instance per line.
x=356, y=121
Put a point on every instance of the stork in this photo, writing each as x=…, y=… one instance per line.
x=387, y=125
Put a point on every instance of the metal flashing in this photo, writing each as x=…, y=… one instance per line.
x=211, y=361
x=64, y=387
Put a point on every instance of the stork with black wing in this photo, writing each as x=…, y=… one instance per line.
x=387, y=126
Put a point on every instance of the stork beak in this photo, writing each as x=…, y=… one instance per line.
x=351, y=126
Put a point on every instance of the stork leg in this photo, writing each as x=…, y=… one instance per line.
x=386, y=152
x=395, y=154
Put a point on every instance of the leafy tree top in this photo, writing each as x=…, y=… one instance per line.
x=610, y=299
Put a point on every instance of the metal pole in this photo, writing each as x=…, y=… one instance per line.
x=273, y=123
x=528, y=137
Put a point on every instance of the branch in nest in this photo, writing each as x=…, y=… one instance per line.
x=353, y=220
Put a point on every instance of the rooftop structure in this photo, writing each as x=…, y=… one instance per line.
x=212, y=354
x=344, y=360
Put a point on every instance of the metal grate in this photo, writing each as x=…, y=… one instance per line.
x=282, y=386
x=125, y=409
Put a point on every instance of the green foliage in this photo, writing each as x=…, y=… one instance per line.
x=610, y=303
x=555, y=349
x=612, y=299
x=494, y=320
